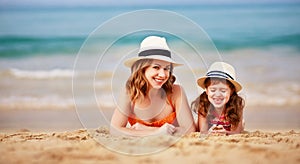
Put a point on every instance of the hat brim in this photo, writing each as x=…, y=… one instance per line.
x=237, y=85
x=129, y=62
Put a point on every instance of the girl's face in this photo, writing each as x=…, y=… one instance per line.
x=158, y=73
x=218, y=93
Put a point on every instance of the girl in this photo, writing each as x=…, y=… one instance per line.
x=220, y=108
x=152, y=104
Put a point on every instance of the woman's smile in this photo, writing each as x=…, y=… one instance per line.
x=158, y=73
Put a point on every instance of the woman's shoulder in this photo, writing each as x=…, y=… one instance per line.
x=177, y=90
x=176, y=87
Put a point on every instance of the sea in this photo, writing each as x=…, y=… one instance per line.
x=58, y=58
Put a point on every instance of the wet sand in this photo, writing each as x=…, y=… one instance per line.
x=256, y=118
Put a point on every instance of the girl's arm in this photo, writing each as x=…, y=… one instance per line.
x=183, y=112
x=202, y=123
x=240, y=126
x=237, y=130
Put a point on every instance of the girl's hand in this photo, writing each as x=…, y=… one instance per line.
x=217, y=129
x=167, y=128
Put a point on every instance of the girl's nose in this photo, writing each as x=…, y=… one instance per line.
x=218, y=93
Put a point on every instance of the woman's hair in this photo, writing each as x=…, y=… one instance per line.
x=137, y=86
x=233, y=108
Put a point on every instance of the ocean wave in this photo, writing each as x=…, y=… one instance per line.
x=51, y=102
x=41, y=74
x=56, y=74
x=273, y=94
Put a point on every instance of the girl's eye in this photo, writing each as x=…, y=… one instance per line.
x=223, y=90
x=212, y=90
x=167, y=69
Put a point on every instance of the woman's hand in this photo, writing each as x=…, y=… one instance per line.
x=138, y=126
x=167, y=128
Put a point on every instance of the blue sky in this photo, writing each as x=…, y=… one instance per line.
x=71, y=3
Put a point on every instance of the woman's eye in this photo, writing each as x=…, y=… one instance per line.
x=156, y=67
x=167, y=69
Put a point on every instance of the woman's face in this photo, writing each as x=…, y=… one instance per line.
x=218, y=93
x=158, y=73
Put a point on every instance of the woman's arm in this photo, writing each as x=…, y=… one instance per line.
x=120, y=118
x=119, y=122
x=183, y=111
x=118, y=126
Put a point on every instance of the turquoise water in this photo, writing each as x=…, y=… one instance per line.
x=47, y=31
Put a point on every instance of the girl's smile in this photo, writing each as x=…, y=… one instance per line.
x=218, y=94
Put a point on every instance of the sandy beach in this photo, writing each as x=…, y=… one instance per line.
x=53, y=136
x=78, y=146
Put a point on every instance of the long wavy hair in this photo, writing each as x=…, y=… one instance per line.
x=233, y=108
x=137, y=86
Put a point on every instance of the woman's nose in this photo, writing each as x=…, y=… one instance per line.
x=161, y=73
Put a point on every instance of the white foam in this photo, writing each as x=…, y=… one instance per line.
x=31, y=102
x=41, y=74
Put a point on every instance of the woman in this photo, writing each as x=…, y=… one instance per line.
x=152, y=104
x=220, y=108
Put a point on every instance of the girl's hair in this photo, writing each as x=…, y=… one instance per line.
x=137, y=86
x=233, y=108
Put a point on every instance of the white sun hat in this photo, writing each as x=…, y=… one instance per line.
x=221, y=70
x=153, y=47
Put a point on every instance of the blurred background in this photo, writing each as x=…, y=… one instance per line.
x=39, y=41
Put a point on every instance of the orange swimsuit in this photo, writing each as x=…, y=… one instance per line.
x=132, y=119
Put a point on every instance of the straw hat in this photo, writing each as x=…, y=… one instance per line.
x=221, y=70
x=153, y=47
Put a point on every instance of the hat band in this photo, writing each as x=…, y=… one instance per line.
x=155, y=52
x=220, y=74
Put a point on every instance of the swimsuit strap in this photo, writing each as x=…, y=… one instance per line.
x=170, y=102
